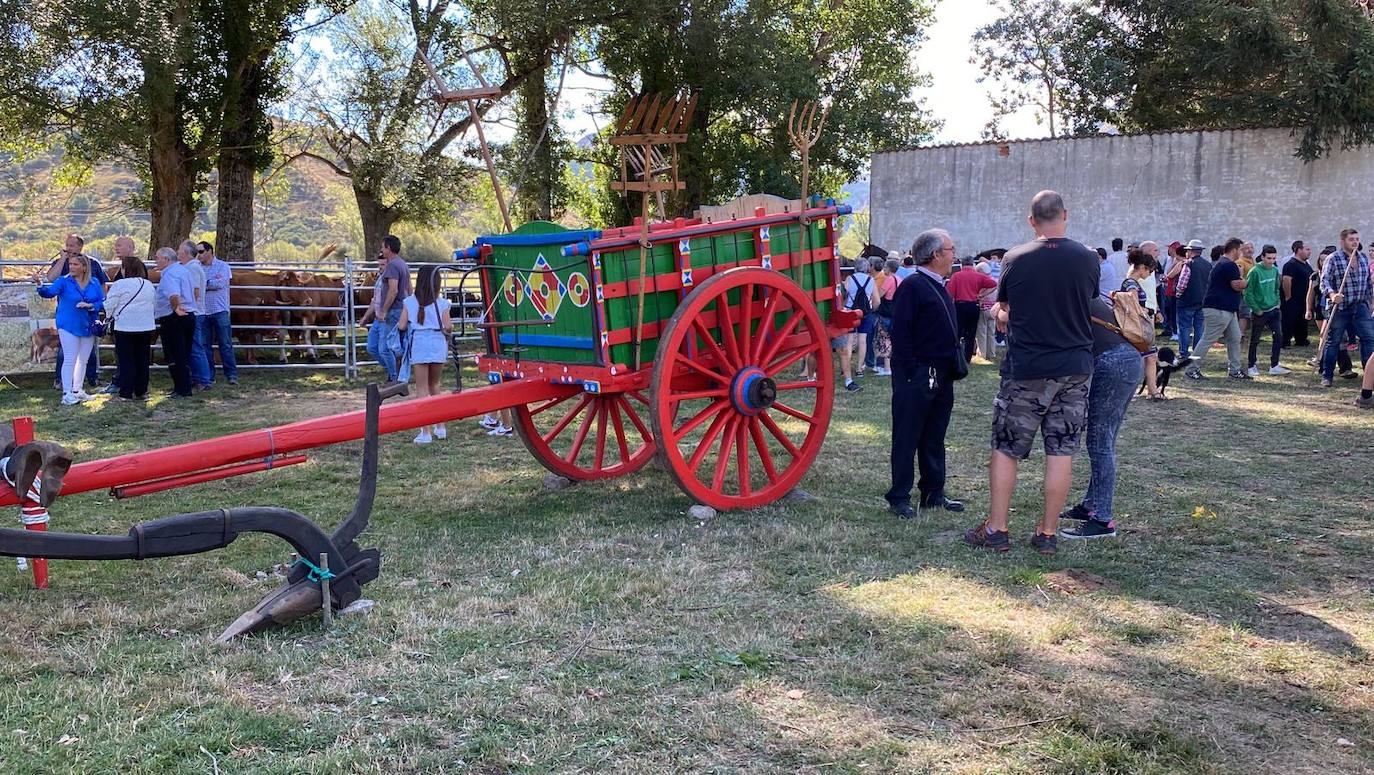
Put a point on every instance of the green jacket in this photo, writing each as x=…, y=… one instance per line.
x=1262, y=288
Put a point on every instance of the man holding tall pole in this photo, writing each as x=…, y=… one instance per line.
x=1346, y=283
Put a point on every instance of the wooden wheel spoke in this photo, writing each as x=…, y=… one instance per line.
x=787, y=331
x=640, y=397
x=792, y=357
x=581, y=437
x=727, y=331
x=773, y=428
x=621, y=442
x=692, y=395
x=704, y=446
x=742, y=456
x=566, y=421
x=807, y=385
x=727, y=439
x=790, y=412
x=705, y=372
x=766, y=326
x=746, y=322
x=601, y=409
x=555, y=402
x=697, y=421
x=761, y=444
x=634, y=418
x=711, y=344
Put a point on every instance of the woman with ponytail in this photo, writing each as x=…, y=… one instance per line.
x=425, y=316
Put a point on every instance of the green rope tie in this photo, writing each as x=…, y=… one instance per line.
x=316, y=574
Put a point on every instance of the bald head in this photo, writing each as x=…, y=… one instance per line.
x=124, y=247
x=1048, y=216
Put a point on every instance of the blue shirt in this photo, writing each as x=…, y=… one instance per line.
x=176, y=281
x=1110, y=280
x=217, y=279
x=76, y=322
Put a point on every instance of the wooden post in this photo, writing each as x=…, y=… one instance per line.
x=324, y=592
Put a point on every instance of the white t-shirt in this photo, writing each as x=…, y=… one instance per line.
x=432, y=313
x=130, y=302
x=1151, y=299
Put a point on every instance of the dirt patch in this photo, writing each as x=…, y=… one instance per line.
x=1071, y=581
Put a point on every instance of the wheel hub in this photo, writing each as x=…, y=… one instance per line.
x=752, y=391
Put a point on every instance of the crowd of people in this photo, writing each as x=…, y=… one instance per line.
x=1073, y=330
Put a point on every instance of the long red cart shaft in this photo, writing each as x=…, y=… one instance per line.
x=266, y=443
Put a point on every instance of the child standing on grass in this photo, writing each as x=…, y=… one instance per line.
x=425, y=316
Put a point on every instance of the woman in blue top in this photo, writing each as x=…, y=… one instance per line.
x=79, y=299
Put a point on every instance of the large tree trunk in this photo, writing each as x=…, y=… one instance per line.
x=377, y=222
x=244, y=133
x=173, y=172
x=173, y=167
x=535, y=176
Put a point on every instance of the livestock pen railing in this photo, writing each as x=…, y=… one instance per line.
x=292, y=336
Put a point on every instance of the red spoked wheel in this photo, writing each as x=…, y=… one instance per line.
x=737, y=427
x=588, y=436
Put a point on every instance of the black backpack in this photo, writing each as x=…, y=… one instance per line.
x=862, y=303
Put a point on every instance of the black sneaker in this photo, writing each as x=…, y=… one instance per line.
x=853, y=387
x=1193, y=374
x=983, y=538
x=1044, y=544
x=1349, y=375
x=1238, y=375
x=1077, y=512
x=1364, y=403
x=1090, y=529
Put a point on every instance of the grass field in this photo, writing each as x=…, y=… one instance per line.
x=600, y=629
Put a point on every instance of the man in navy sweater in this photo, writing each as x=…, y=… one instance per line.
x=925, y=342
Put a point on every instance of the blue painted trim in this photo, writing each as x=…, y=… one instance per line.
x=534, y=240
x=550, y=340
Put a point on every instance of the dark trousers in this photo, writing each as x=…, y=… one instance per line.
x=1170, y=315
x=1258, y=323
x=920, y=417
x=177, y=331
x=966, y=312
x=1294, y=322
x=133, y=354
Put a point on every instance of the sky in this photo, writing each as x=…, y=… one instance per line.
x=955, y=96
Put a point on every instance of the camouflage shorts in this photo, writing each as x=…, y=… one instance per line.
x=1057, y=407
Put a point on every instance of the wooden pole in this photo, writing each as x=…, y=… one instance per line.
x=643, y=260
x=324, y=592
x=491, y=167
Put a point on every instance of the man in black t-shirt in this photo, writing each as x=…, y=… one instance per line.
x=1222, y=308
x=1296, y=279
x=1044, y=298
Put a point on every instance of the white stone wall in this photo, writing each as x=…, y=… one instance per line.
x=1164, y=187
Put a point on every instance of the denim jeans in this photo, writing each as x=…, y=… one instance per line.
x=213, y=330
x=384, y=342
x=1350, y=317
x=1191, y=322
x=1116, y=375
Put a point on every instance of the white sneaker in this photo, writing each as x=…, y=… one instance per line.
x=500, y=430
x=883, y=372
x=440, y=432
x=1253, y=371
x=71, y=399
x=488, y=422
x=423, y=438
x=1279, y=371
x=84, y=396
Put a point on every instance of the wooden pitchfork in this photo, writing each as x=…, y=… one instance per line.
x=804, y=131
